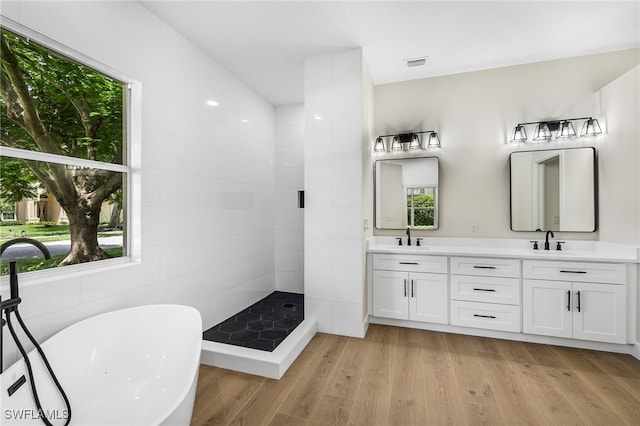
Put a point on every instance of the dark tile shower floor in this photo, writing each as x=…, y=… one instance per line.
x=263, y=325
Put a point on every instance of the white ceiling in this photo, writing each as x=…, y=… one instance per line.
x=264, y=43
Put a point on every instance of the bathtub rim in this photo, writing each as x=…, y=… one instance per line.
x=184, y=390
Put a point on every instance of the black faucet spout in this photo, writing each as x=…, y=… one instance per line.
x=408, y=236
x=546, y=239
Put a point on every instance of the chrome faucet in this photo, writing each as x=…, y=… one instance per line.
x=546, y=239
x=408, y=236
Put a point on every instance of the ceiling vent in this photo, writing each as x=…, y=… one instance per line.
x=416, y=62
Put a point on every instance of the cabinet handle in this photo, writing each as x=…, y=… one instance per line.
x=568, y=300
x=484, y=289
x=484, y=316
x=408, y=263
x=578, y=294
x=412, y=288
x=484, y=267
x=573, y=272
x=405, y=287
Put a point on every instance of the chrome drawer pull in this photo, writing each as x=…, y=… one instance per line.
x=484, y=289
x=574, y=272
x=484, y=267
x=409, y=263
x=484, y=316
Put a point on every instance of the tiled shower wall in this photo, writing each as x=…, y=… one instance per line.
x=289, y=218
x=333, y=168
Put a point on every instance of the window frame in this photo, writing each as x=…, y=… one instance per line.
x=132, y=136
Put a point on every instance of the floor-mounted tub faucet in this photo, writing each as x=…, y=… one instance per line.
x=11, y=305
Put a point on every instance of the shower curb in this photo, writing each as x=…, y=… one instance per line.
x=252, y=361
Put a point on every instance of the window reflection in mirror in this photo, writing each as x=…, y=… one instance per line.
x=406, y=193
x=553, y=190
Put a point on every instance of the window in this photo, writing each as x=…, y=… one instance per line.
x=421, y=207
x=63, y=156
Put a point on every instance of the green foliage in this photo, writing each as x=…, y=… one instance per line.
x=81, y=108
x=36, y=264
x=16, y=182
x=40, y=231
x=423, y=210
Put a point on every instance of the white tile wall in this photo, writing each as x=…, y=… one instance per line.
x=207, y=220
x=289, y=166
x=333, y=184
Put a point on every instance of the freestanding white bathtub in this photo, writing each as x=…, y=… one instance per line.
x=136, y=366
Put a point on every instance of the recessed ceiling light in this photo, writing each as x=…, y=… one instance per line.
x=211, y=102
x=317, y=117
x=416, y=62
x=244, y=120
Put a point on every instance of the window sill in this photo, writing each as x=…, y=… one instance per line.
x=67, y=272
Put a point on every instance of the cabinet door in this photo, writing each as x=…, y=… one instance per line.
x=428, y=300
x=390, y=294
x=602, y=314
x=547, y=308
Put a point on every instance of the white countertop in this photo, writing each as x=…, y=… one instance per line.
x=575, y=250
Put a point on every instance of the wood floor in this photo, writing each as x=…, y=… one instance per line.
x=399, y=376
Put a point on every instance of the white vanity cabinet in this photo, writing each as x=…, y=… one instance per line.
x=485, y=293
x=410, y=287
x=576, y=300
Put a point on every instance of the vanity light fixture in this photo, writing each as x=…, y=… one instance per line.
x=434, y=140
x=415, y=142
x=564, y=129
x=406, y=141
x=542, y=132
x=395, y=145
x=590, y=128
x=379, y=145
x=519, y=134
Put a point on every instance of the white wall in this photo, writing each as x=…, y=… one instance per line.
x=207, y=200
x=475, y=113
x=289, y=249
x=619, y=193
x=619, y=159
x=333, y=214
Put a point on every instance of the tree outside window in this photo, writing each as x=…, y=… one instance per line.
x=63, y=146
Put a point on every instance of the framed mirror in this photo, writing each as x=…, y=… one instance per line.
x=406, y=193
x=553, y=190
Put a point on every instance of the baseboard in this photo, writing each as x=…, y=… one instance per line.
x=635, y=350
x=531, y=338
x=261, y=363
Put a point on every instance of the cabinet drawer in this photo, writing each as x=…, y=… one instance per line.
x=614, y=273
x=485, y=289
x=485, y=315
x=488, y=267
x=410, y=263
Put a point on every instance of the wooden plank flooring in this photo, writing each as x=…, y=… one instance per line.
x=400, y=376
